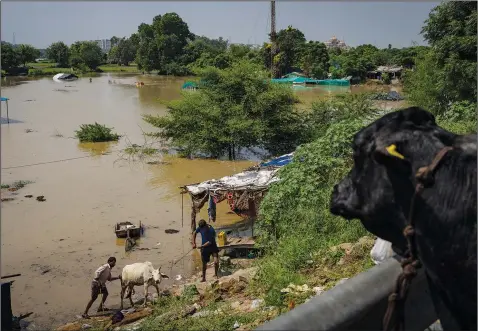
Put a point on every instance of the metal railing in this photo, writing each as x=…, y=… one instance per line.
x=360, y=303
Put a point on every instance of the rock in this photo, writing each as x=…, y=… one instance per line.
x=256, y=303
x=203, y=313
x=243, y=279
x=347, y=247
x=86, y=326
x=238, y=287
x=235, y=305
x=236, y=325
x=318, y=290
x=197, y=306
x=227, y=285
x=75, y=326
x=225, y=260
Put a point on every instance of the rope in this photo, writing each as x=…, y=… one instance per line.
x=395, y=314
x=56, y=161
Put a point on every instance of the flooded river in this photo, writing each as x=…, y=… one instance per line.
x=56, y=245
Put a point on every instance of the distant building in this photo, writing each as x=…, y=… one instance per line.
x=104, y=44
x=335, y=43
x=251, y=46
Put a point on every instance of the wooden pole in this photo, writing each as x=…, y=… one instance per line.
x=10, y=276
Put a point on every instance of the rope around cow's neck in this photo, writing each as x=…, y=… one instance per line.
x=395, y=314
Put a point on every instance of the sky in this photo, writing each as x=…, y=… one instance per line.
x=376, y=23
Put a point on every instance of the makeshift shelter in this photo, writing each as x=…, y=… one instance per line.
x=243, y=191
x=6, y=103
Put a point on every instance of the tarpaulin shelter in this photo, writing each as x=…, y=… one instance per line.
x=243, y=191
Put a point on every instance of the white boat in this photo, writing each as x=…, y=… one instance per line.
x=61, y=77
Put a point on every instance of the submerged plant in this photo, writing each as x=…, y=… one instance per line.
x=95, y=133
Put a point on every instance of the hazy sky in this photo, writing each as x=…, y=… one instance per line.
x=377, y=23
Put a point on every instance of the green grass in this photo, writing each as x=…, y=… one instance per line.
x=49, y=68
x=132, y=68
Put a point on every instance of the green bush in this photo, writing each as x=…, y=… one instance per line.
x=95, y=133
x=386, y=78
x=35, y=72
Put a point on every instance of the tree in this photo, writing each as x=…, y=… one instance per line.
x=27, y=53
x=314, y=59
x=234, y=108
x=85, y=54
x=289, y=42
x=447, y=73
x=162, y=43
x=125, y=52
x=9, y=58
x=59, y=53
x=114, y=41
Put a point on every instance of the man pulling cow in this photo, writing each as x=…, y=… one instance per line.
x=98, y=285
x=208, y=247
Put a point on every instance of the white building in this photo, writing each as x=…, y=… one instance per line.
x=335, y=43
x=104, y=44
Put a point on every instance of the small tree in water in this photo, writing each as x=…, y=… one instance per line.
x=234, y=108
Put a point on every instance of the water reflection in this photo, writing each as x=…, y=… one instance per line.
x=98, y=149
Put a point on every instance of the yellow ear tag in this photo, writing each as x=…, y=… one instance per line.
x=392, y=150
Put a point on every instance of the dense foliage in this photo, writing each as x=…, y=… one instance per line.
x=60, y=53
x=294, y=216
x=234, y=108
x=447, y=72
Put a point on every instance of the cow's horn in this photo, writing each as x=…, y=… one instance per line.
x=392, y=150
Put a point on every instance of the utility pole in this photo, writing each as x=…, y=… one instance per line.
x=274, y=71
x=14, y=39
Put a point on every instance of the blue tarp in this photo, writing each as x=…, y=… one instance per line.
x=278, y=162
x=189, y=85
x=4, y=99
x=302, y=80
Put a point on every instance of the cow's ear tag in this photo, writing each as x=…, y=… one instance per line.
x=392, y=150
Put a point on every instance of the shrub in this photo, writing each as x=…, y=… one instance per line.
x=294, y=218
x=386, y=78
x=95, y=133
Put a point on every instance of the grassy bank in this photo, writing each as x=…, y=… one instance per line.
x=48, y=69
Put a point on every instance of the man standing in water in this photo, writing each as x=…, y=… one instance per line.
x=102, y=274
x=208, y=247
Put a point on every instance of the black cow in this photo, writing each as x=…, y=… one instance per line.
x=379, y=188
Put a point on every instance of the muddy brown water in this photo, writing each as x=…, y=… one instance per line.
x=57, y=244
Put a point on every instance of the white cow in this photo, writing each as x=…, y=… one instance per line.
x=137, y=274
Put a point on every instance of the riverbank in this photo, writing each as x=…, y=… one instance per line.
x=49, y=69
x=236, y=301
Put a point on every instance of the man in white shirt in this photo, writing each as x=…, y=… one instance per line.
x=102, y=274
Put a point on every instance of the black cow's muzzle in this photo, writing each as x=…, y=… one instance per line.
x=343, y=201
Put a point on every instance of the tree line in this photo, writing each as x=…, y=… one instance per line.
x=237, y=106
x=170, y=48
